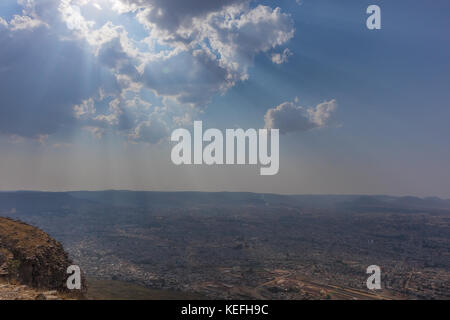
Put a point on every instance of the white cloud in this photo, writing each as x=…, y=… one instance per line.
x=3, y=22
x=87, y=107
x=238, y=35
x=25, y=22
x=120, y=6
x=73, y=18
x=279, y=58
x=324, y=113
x=289, y=117
x=97, y=6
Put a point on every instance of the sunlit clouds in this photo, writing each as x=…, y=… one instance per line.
x=191, y=52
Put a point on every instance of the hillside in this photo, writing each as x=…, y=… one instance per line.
x=32, y=264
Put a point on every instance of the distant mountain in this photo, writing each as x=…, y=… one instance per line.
x=405, y=203
x=149, y=199
x=58, y=201
x=31, y=201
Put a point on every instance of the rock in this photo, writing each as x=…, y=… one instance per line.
x=34, y=260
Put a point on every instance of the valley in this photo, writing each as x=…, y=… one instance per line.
x=250, y=246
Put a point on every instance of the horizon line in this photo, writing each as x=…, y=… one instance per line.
x=212, y=192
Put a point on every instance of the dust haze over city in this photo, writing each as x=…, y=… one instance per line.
x=343, y=104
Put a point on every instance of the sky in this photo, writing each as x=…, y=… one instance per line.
x=90, y=92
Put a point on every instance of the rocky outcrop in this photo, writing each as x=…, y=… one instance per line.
x=30, y=257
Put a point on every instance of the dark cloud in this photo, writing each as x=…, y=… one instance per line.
x=172, y=14
x=191, y=77
x=113, y=55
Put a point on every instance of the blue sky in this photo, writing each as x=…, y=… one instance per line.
x=91, y=91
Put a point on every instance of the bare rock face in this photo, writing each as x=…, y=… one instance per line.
x=30, y=257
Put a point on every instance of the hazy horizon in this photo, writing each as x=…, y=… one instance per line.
x=225, y=191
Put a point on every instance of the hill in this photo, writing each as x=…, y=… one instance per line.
x=31, y=262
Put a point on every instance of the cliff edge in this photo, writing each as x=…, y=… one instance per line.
x=32, y=263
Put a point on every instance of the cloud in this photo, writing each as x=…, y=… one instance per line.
x=55, y=61
x=238, y=36
x=324, y=113
x=210, y=44
x=205, y=77
x=87, y=107
x=3, y=23
x=288, y=117
x=25, y=22
x=151, y=131
x=173, y=15
x=279, y=58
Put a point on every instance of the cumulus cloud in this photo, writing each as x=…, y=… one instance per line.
x=324, y=113
x=290, y=117
x=173, y=15
x=208, y=47
x=55, y=61
x=212, y=43
x=243, y=33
